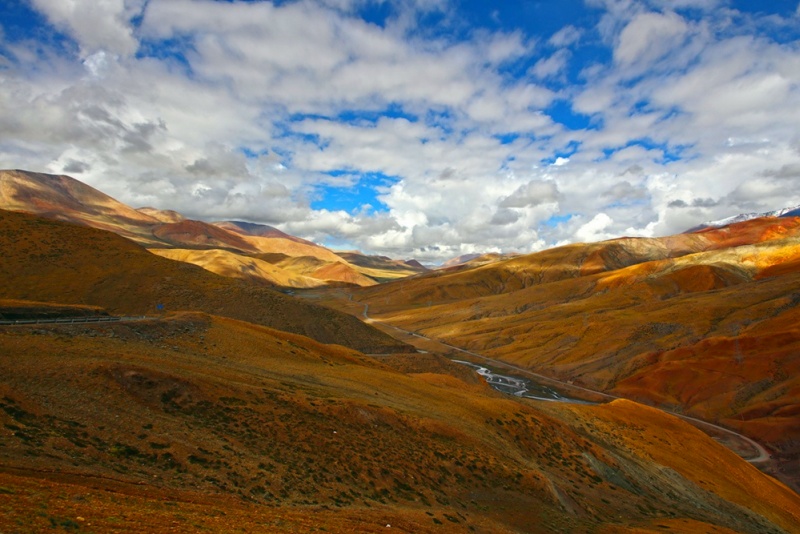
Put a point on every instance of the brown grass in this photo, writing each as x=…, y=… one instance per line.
x=46, y=260
x=214, y=415
x=699, y=323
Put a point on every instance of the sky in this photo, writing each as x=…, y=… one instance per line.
x=422, y=129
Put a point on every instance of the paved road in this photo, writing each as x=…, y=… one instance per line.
x=74, y=320
x=761, y=454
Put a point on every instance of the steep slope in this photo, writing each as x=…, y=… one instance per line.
x=700, y=323
x=259, y=230
x=239, y=427
x=47, y=260
x=67, y=199
x=202, y=235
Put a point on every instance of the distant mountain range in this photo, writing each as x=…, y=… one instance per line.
x=785, y=212
x=703, y=323
x=231, y=248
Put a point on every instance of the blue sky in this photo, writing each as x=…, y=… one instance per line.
x=413, y=128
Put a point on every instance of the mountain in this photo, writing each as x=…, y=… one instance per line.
x=703, y=323
x=197, y=422
x=165, y=216
x=66, y=199
x=459, y=260
x=474, y=260
x=381, y=268
x=259, y=230
x=202, y=235
x=170, y=234
x=785, y=212
x=239, y=408
x=50, y=261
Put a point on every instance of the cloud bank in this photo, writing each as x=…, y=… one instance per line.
x=412, y=129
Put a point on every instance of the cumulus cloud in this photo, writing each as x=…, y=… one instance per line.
x=594, y=230
x=463, y=139
x=649, y=37
x=531, y=194
x=95, y=24
x=551, y=66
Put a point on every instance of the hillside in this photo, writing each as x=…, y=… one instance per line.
x=196, y=421
x=381, y=268
x=51, y=261
x=702, y=323
x=64, y=198
x=232, y=265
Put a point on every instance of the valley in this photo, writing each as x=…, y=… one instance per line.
x=560, y=391
x=701, y=325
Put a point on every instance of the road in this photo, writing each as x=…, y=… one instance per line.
x=73, y=320
x=761, y=455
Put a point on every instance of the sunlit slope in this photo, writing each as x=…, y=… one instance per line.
x=711, y=333
x=46, y=260
x=67, y=199
x=232, y=265
x=211, y=410
x=576, y=261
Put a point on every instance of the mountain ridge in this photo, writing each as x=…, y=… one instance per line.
x=64, y=198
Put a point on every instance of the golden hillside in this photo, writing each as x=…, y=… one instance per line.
x=196, y=421
x=701, y=323
x=64, y=198
x=232, y=265
x=51, y=261
x=67, y=199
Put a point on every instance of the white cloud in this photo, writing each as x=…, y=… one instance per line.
x=566, y=36
x=594, y=229
x=242, y=110
x=649, y=37
x=551, y=66
x=531, y=194
x=95, y=24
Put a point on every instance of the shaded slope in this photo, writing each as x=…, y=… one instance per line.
x=46, y=260
x=199, y=234
x=381, y=268
x=207, y=409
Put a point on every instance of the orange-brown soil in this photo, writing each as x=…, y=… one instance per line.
x=195, y=421
x=66, y=199
x=45, y=260
x=699, y=323
x=196, y=233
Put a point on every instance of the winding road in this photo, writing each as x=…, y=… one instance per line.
x=760, y=453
